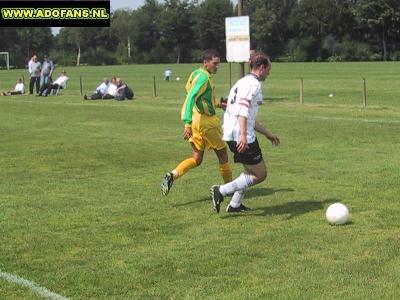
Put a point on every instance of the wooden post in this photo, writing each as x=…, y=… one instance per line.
x=154, y=87
x=301, y=91
x=364, y=92
x=80, y=83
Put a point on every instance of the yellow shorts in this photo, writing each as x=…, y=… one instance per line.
x=206, y=132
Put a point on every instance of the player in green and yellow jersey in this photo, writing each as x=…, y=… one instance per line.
x=202, y=125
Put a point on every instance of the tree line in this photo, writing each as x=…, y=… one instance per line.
x=178, y=30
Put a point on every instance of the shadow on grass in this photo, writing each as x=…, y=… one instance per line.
x=276, y=99
x=251, y=193
x=292, y=209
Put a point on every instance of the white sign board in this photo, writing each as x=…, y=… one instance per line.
x=237, y=33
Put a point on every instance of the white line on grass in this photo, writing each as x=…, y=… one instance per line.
x=382, y=121
x=31, y=285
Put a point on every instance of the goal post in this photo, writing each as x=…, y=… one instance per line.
x=7, y=56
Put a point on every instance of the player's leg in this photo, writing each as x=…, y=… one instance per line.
x=184, y=166
x=235, y=205
x=255, y=172
x=225, y=168
x=213, y=140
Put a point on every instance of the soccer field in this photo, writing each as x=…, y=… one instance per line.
x=82, y=216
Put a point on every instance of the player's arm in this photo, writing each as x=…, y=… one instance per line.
x=242, y=143
x=197, y=89
x=269, y=135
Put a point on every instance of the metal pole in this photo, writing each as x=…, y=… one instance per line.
x=240, y=13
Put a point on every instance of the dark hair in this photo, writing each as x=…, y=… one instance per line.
x=259, y=60
x=209, y=54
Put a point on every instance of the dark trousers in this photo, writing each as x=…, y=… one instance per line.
x=121, y=95
x=96, y=95
x=46, y=89
x=32, y=83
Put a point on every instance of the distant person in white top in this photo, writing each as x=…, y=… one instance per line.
x=100, y=91
x=19, y=89
x=60, y=82
x=240, y=127
x=112, y=90
x=167, y=74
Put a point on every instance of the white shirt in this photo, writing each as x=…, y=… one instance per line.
x=243, y=100
x=61, y=81
x=19, y=87
x=167, y=73
x=30, y=66
x=112, y=89
x=102, y=88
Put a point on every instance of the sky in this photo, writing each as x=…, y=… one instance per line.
x=115, y=4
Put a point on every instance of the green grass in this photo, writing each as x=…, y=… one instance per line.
x=81, y=212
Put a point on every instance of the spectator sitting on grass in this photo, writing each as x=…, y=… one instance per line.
x=123, y=91
x=112, y=89
x=19, y=89
x=60, y=82
x=100, y=91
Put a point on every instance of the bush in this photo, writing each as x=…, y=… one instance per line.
x=395, y=56
x=335, y=58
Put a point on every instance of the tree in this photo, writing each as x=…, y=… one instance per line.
x=145, y=32
x=378, y=19
x=121, y=25
x=269, y=28
x=209, y=26
x=175, y=24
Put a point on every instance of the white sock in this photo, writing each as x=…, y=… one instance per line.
x=237, y=199
x=239, y=183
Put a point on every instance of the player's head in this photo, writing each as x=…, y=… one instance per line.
x=260, y=65
x=211, y=60
x=19, y=80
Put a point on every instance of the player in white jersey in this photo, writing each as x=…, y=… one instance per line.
x=240, y=127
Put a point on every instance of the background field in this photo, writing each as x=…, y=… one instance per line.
x=81, y=212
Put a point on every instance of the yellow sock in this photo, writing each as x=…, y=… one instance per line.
x=184, y=166
x=226, y=172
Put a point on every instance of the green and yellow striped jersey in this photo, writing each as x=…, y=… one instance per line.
x=200, y=96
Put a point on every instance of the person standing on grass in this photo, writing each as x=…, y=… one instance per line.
x=240, y=125
x=34, y=67
x=202, y=126
x=47, y=71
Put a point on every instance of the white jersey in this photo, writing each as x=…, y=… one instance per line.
x=61, y=81
x=19, y=87
x=112, y=90
x=243, y=100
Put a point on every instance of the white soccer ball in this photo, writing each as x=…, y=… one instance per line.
x=337, y=214
x=330, y=95
x=178, y=78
